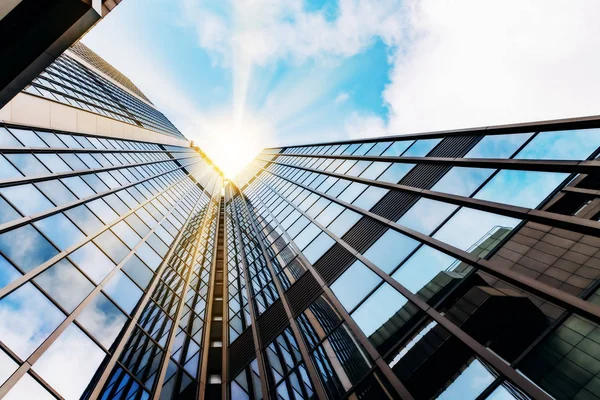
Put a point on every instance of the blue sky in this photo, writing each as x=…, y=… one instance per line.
x=244, y=74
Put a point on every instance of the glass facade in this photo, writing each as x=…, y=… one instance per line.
x=462, y=265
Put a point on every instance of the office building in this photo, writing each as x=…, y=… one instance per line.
x=452, y=265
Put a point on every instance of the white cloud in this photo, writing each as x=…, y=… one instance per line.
x=476, y=63
x=342, y=98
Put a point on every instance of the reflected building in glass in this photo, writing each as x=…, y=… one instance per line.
x=452, y=265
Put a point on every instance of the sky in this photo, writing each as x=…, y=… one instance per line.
x=239, y=75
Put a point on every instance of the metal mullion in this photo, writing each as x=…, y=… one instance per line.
x=251, y=306
x=358, y=333
x=544, y=217
x=566, y=166
x=538, y=288
x=281, y=293
x=491, y=358
x=36, y=217
x=205, y=345
x=41, y=268
x=60, y=175
x=162, y=370
x=70, y=317
x=99, y=384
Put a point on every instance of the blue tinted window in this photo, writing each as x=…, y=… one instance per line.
x=390, y=249
x=498, y=146
x=562, y=145
x=65, y=284
x=462, y=181
x=354, y=284
x=421, y=148
x=521, y=188
x=426, y=215
x=60, y=230
x=26, y=247
x=27, y=199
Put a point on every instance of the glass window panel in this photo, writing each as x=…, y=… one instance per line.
x=8, y=140
x=126, y=234
x=92, y=261
x=330, y=213
x=54, y=163
x=397, y=148
x=421, y=148
x=102, y=210
x=378, y=309
x=149, y=256
x=395, y=172
x=390, y=249
x=562, y=145
x=27, y=319
x=17, y=245
x=352, y=192
x=370, y=197
x=74, y=162
x=78, y=186
x=318, y=247
x=7, y=367
x=27, y=199
x=498, y=146
x=28, y=138
x=521, y=188
x=462, y=181
x=344, y=222
x=56, y=191
x=7, y=213
x=7, y=171
x=65, y=284
x=375, y=170
x=123, y=291
x=354, y=284
x=78, y=357
x=469, y=228
x=307, y=235
x=422, y=267
x=8, y=273
x=84, y=219
x=28, y=164
x=95, y=183
x=51, y=139
x=102, y=319
x=28, y=388
x=112, y=246
x=62, y=232
x=137, y=270
x=469, y=384
x=426, y=215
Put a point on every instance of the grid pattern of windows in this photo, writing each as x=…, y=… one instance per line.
x=105, y=250
x=389, y=253
x=70, y=82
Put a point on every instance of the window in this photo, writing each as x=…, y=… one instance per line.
x=354, y=284
x=27, y=199
x=390, y=249
x=17, y=245
x=65, y=284
x=378, y=309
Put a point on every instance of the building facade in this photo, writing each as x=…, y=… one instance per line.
x=452, y=265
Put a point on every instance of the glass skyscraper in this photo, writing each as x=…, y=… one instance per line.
x=452, y=265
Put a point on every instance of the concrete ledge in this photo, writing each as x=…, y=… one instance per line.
x=34, y=111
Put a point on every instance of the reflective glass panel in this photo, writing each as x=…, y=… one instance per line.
x=17, y=245
x=62, y=232
x=498, y=146
x=562, y=145
x=27, y=199
x=426, y=215
x=521, y=188
x=102, y=319
x=65, y=284
x=92, y=261
x=354, y=284
x=27, y=318
x=390, y=249
x=78, y=357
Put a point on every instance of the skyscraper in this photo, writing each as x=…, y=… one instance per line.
x=34, y=33
x=454, y=265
